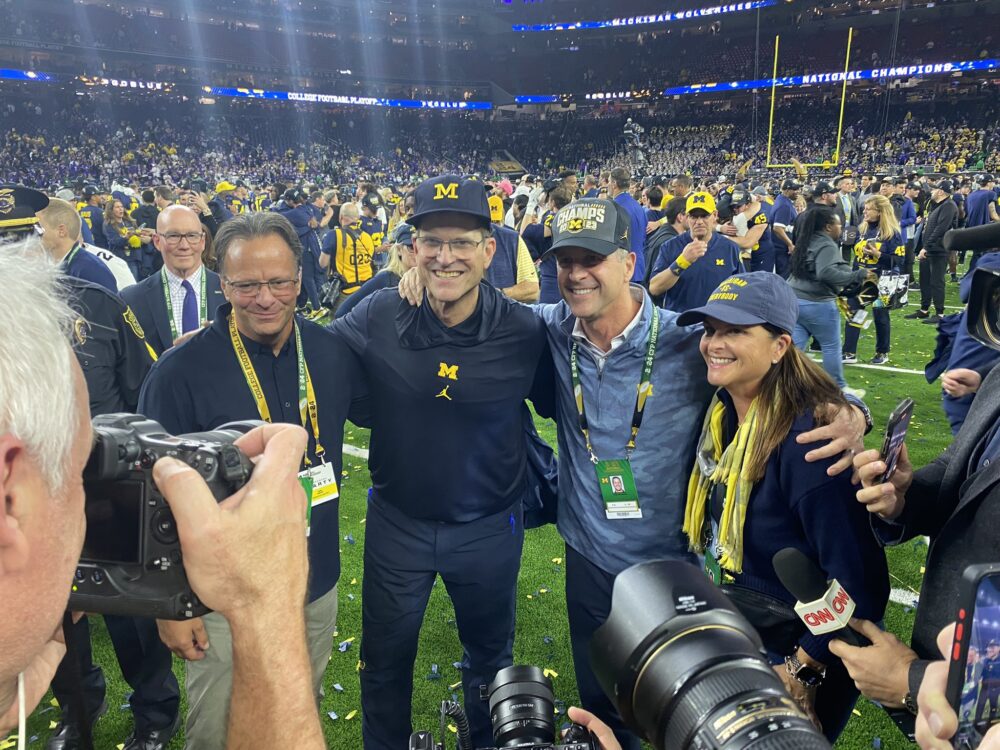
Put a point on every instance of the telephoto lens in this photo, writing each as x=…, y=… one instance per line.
x=686, y=670
x=522, y=707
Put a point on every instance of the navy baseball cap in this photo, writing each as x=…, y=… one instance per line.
x=402, y=234
x=450, y=193
x=791, y=184
x=739, y=198
x=595, y=224
x=18, y=206
x=946, y=185
x=749, y=299
x=823, y=187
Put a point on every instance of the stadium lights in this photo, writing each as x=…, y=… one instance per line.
x=614, y=23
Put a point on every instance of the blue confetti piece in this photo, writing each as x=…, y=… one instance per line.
x=333, y=715
x=434, y=668
x=124, y=707
x=33, y=738
x=454, y=697
x=370, y=492
x=456, y=664
x=547, y=640
x=349, y=539
x=338, y=687
x=877, y=743
x=46, y=710
x=344, y=645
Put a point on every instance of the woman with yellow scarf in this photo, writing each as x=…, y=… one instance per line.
x=752, y=493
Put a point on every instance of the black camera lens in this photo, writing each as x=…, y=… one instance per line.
x=685, y=668
x=522, y=707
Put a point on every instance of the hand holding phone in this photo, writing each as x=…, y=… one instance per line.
x=974, y=672
x=895, y=434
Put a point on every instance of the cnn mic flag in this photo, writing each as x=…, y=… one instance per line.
x=824, y=608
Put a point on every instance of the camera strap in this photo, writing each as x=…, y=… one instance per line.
x=202, y=299
x=308, y=410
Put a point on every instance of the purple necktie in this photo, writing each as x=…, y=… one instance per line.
x=189, y=313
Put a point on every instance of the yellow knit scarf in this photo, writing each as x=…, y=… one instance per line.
x=715, y=465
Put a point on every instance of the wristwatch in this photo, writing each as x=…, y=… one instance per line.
x=803, y=673
x=910, y=703
x=676, y=269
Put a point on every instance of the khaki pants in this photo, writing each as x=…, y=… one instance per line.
x=210, y=680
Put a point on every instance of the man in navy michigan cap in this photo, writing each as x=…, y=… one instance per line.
x=447, y=381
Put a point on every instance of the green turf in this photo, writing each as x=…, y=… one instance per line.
x=542, y=631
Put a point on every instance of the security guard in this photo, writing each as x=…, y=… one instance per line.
x=112, y=352
x=258, y=360
x=447, y=382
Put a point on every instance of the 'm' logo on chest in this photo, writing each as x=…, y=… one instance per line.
x=447, y=371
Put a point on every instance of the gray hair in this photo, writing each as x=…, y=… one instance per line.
x=250, y=226
x=37, y=395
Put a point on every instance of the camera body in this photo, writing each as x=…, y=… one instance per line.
x=131, y=562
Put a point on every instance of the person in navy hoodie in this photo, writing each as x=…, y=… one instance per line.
x=751, y=493
x=447, y=382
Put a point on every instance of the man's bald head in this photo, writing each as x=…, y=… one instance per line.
x=176, y=215
x=180, y=238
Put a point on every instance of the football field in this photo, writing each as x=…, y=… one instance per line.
x=542, y=631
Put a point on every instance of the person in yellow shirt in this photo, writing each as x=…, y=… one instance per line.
x=347, y=254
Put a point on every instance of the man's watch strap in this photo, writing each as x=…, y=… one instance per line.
x=910, y=703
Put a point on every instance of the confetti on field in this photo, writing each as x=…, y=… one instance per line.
x=557, y=560
x=922, y=570
x=345, y=645
x=547, y=640
x=543, y=591
x=333, y=715
x=351, y=597
x=53, y=724
x=354, y=581
x=530, y=596
x=338, y=687
x=435, y=673
x=349, y=539
x=456, y=664
x=453, y=729
x=550, y=673
x=856, y=712
x=452, y=687
x=877, y=743
x=351, y=715
x=54, y=703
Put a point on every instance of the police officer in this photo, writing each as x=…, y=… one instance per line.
x=258, y=360
x=112, y=352
x=447, y=382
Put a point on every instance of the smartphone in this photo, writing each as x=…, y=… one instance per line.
x=974, y=671
x=895, y=434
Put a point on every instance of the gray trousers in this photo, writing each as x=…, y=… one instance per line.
x=210, y=680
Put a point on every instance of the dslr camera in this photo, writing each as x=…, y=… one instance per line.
x=131, y=562
x=522, y=712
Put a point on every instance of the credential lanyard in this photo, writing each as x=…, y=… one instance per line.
x=308, y=410
x=203, y=299
x=644, y=389
x=72, y=254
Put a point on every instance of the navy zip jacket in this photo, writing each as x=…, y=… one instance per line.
x=199, y=386
x=797, y=505
x=447, y=441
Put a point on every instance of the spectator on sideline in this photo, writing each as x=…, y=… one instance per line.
x=618, y=186
x=942, y=215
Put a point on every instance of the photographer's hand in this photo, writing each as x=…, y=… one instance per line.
x=246, y=558
x=587, y=720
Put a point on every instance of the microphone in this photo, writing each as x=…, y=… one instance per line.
x=823, y=607
x=986, y=237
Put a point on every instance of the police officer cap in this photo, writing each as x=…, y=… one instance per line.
x=18, y=206
x=791, y=184
x=595, y=224
x=450, y=193
x=749, y=299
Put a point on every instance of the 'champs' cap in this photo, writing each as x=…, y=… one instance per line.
x=450, y=193
x=371, y=202
x=700, y=202
x=749, y=299
x=18, y=205
x=740, y=198
x=595, y=224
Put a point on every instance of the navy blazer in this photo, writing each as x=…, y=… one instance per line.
x=150, y=307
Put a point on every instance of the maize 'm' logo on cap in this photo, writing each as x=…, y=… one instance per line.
x=6, y=201
x=698, y=198
x=448, y=190
x=575, y=219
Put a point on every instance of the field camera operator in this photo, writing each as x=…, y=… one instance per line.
x=245, y=557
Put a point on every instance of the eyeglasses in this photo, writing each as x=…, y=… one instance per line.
x=277, y=287
x=174, y=238
x=460, y=248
